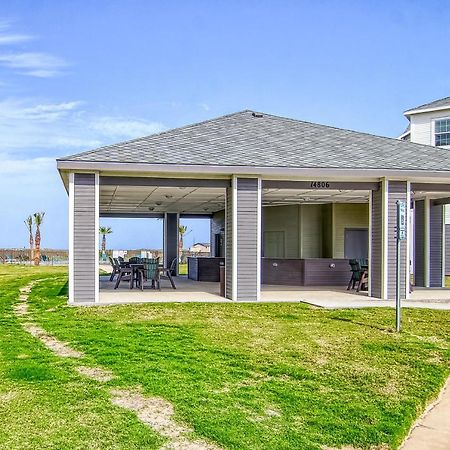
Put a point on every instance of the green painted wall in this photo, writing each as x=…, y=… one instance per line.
x=347, y=216
x=310, y=231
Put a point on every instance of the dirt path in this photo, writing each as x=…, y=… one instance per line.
x=155, y=412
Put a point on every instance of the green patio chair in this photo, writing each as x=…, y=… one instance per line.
x=150, y=272
x=356, y=273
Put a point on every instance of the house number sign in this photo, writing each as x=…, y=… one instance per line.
x=319, y=185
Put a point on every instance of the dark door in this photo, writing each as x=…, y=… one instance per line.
x=356, y=243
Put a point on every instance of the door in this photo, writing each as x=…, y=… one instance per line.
x=356, y=243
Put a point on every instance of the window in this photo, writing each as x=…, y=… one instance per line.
x=442, y=132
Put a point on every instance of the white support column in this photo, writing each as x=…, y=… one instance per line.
x=71, y=237
x=97, y=226
x=408, y=239
x=384, y=239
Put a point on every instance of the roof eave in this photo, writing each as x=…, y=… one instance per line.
x=209, y=170
x=411, y=112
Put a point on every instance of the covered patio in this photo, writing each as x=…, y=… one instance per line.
x=286, y=212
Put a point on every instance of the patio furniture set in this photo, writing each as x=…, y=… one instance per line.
x=137, y=271
x=360, y=274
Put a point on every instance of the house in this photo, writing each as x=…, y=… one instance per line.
x=429, y=124
x=200, y=247
x=288, y=201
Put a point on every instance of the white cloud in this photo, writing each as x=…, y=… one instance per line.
x=31, y=127
x=34, y=63
x=43, y=112
x=11, y=166
x=8, y=39
x=204, y=106
x=119, y=127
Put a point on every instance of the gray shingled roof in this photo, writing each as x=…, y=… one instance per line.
x=435, y=104
x=241, y=139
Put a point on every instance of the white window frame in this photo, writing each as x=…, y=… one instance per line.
x=433, y=135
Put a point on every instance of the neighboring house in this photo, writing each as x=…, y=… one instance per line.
x=289, y=202
x=429, y=124
x=200, y=247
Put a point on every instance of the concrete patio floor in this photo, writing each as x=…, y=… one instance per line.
x=324, y=297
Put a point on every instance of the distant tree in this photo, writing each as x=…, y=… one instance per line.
x=182, y=231
x=38, y=219
x=29, y=224
x=104, y=231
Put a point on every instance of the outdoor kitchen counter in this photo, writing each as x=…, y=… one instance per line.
x=204, y=268
x=306, y=272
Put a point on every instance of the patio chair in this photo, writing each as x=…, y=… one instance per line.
x=135, y=260
x=356, y=273
x=359, y=276
x=166, y=272
x=150, y=272
x=115, y=268
x=125, y=273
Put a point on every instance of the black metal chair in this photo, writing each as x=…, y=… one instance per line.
x=115, y=268
x=359, y=276
x=166, y=272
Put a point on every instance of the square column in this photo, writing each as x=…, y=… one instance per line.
x=243, y=239
x=383, y=219
x=171, y=239
x=83, y=237
x=429, y=244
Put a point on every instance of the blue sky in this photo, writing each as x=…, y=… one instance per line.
x=76, y=75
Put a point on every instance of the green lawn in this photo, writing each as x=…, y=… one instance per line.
x=246, y=376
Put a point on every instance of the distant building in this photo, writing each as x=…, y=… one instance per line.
x=200, y=247
x=429, y=124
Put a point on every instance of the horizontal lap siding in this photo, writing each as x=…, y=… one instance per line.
x=436, y=228
x=396, y=191
x=84, y=238
x=447, y=249
x=419, y=243
x=247, y=238
x=229, y=243
x=377, y=244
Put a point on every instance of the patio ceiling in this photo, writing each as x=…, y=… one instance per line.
x=160, y=199
x=147, y=200
x=276, y=197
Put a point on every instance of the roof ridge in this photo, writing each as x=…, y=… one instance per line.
x=129, y=141
x=346, y=129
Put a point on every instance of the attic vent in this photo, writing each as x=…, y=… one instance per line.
x=256, y=114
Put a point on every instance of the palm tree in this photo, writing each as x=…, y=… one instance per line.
x=182, y=231
x=29, y=224
x=104, y=231
x=38, y=219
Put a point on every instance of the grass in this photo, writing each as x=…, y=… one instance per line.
x=182, y=269
x=247, y=376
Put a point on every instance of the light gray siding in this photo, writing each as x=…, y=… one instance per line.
x=447, y=249
x=419, y=243
x=436, y=244
x=84, y=239
x=247, y=238
x=229, y=243
x=377, y=244
x=397, y=190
